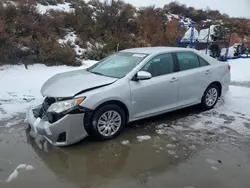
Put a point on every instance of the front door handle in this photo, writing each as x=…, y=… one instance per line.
x=174, y=80
x=208, y=72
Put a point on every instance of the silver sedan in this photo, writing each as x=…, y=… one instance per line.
x=129, y=85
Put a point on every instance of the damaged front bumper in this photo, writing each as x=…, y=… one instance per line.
x=67, y=130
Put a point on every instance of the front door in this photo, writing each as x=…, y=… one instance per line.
x=158, y=94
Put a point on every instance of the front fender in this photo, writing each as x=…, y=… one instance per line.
x=118, y=91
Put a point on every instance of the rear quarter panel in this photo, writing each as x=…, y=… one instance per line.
x=221, y=73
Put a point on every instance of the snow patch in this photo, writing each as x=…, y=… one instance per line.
x=71, y=38
x=64, y=7
x=12, y=176
x=160, y=131
x=170, y=152
x=10, y=3
x=125, y=142
x=214, y=168
x=173, y=16
x=21, y=166
x=171, y=146
x=207, y=20
x=15, y=173
x=186, y=21
x=211, y=161
x=94, y=45
x=173, y=138
x=144, y=137
x=11, y=123
x=29, y=167
x=160, y=126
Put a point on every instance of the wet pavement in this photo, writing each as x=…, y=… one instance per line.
x=183, y=149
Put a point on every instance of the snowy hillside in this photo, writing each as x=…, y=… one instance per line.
x=60, y=32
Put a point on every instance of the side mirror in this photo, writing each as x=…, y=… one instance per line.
x=143, y=75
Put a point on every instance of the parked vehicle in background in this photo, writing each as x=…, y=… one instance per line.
x=129, y=85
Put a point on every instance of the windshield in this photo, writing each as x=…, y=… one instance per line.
x=117, y=65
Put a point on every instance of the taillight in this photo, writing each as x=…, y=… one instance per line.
x=228, y=66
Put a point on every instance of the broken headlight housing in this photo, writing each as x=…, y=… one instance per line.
x=62, y=106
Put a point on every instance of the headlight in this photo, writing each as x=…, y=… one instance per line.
x=61, y=106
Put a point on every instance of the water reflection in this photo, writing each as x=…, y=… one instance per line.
x=112, y=164
x=105, y=163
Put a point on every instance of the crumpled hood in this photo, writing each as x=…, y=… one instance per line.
x=68, y=84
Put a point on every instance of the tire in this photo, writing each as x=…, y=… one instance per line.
x=210, y=97
x=113, y=127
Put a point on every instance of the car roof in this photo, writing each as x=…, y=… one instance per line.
x=156, y=50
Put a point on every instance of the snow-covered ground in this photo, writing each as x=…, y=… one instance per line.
x=240, y=70
x=20, y=88
x=232, y=112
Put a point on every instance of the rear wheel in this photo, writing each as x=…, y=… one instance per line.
x=210, y=97
x=108, y=122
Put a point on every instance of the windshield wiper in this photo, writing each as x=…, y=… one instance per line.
x=98, y=73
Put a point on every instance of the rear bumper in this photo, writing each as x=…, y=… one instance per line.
x=225, y=84
x=224, y=91
x=66, y=131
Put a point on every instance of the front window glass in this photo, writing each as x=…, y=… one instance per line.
x=117, y=65
x=160, y=65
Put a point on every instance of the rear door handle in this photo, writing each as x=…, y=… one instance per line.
x=208, y=72
x=173, y=80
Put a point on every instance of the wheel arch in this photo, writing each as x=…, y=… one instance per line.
x=116, y=102
x=203, y=103
x=89, y=115
x=218, y=84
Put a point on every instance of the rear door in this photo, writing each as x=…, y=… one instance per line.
x=158, y=94
x=194, y=77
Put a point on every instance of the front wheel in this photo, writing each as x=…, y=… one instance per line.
x=210, y=97
x=108, y=122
